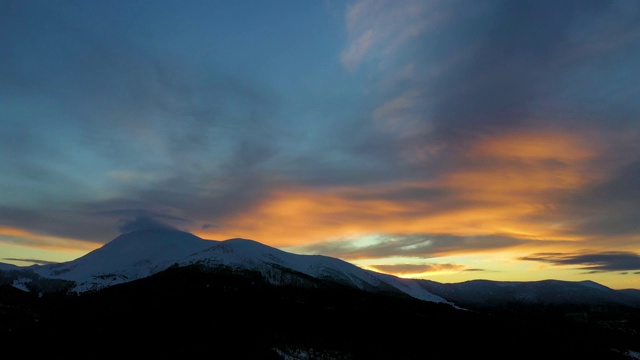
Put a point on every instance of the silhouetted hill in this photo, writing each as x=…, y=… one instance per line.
x=486, y=293
x=224, y=314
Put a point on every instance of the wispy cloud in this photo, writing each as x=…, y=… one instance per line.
x=378, y=28
x=416, y=245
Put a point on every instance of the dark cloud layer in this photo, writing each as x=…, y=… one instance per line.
x=596, y=262
x=144, y=223
x=608, y=208
x=518, y=57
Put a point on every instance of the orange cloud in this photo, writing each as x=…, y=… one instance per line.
x=510, y=189
x=410, y=270
x=295, y=217
x=41, y=241
x=537, y=145
x=514, y=166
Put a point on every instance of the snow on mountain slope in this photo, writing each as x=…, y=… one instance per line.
x=128, y=257
x=410, y=287
x=143, y=253
x=256, y=256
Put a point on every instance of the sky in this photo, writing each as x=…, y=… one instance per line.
x=443, y=140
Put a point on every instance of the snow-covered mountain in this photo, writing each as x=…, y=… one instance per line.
x=226, y=297
x=143, y=253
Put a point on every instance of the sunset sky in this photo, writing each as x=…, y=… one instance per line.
x=444, y=140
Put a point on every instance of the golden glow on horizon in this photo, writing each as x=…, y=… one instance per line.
x=25, y=256
x=33, y=247
x=52, y=243
x=499, y=265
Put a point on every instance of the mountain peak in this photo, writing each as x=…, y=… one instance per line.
x=132, y=255
x=141, y=244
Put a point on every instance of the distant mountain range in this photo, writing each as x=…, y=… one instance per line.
x=143, y=253
x=170, y=293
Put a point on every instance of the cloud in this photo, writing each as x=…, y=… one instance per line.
x=144, y=223
x=114, y=123
x=28, y=238
x=595, y=262
x=507, y=185
x=606, y=208
x=486, y=78
x=416, y=245
x=407, y=269
x=357, y=50
x=377, y=29
x=492, y=68
x=31, y=261
x=458, y=127
x=48, y=222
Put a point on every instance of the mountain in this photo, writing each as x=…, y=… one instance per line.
x=143, y=253
x=226, y=313
x=486, y=293
x=170, y=293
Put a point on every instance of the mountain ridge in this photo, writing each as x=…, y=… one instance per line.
x=142, y=253
x=230, y=313
x=239, y=298
x=542, y=292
